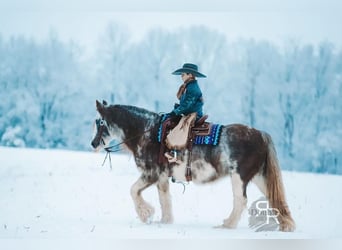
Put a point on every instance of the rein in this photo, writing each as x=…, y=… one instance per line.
x=118, y=149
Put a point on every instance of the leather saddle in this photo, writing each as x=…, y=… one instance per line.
x=200, y=127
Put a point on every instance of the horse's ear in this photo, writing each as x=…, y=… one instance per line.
x=99, y=107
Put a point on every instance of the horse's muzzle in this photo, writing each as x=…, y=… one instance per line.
x=96, y=142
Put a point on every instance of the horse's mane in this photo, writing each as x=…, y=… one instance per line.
x=136, y=112
x=135, y=109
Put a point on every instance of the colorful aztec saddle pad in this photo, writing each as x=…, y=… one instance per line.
x=212, y=138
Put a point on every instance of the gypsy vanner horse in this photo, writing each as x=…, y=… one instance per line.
x=243, y=153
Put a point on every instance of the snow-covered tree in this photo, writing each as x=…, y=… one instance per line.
x=294, y=93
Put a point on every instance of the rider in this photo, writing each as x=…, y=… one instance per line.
x=189, y=95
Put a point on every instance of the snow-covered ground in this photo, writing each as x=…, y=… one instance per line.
x=54, y=194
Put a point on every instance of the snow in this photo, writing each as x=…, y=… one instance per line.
x=56, y=194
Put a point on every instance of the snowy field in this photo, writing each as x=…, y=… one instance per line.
x=54, y=194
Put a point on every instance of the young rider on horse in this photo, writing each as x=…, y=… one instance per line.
x=189, y=95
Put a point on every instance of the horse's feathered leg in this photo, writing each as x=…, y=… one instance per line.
x=144, y=210
x=165, y=199
x=239, y=203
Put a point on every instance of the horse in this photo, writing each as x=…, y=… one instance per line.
x=243, y=153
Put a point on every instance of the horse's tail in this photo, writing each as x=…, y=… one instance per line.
x=274, y=187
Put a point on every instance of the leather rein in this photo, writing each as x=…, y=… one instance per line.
x=115, y=148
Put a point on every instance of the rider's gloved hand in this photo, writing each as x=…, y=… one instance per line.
x=176, y=105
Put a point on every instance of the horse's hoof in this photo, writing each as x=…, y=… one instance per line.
x=228, y=223
x=149, y=220
x=223, y=227
x=287, y=228
x=166, y=221
x=146, y=214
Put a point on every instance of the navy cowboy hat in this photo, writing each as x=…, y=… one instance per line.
x=189, y=68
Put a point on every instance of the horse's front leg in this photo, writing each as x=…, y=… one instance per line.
x=144, y=210
x=165, y=199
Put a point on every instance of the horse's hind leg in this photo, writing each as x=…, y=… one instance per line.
x=165, y=199
x=239, y=203
x=260, y=182
x=144, y=210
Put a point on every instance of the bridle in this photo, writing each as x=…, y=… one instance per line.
x=102, y=124
x=114, y=148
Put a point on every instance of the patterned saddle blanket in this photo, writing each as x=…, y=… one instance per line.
x=211, y=138
x=204, y=134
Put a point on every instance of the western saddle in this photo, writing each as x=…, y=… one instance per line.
x=178, y=134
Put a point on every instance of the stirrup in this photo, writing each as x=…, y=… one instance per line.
x=172, y=158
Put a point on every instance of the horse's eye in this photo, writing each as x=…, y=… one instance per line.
x=102, y=122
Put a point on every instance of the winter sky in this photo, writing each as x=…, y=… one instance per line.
x=304, y=21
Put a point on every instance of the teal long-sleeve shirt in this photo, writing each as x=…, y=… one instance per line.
x=191, y=100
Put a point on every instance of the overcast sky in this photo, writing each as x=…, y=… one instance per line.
x=306, y=21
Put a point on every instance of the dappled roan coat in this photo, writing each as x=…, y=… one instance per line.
x=243, y=153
